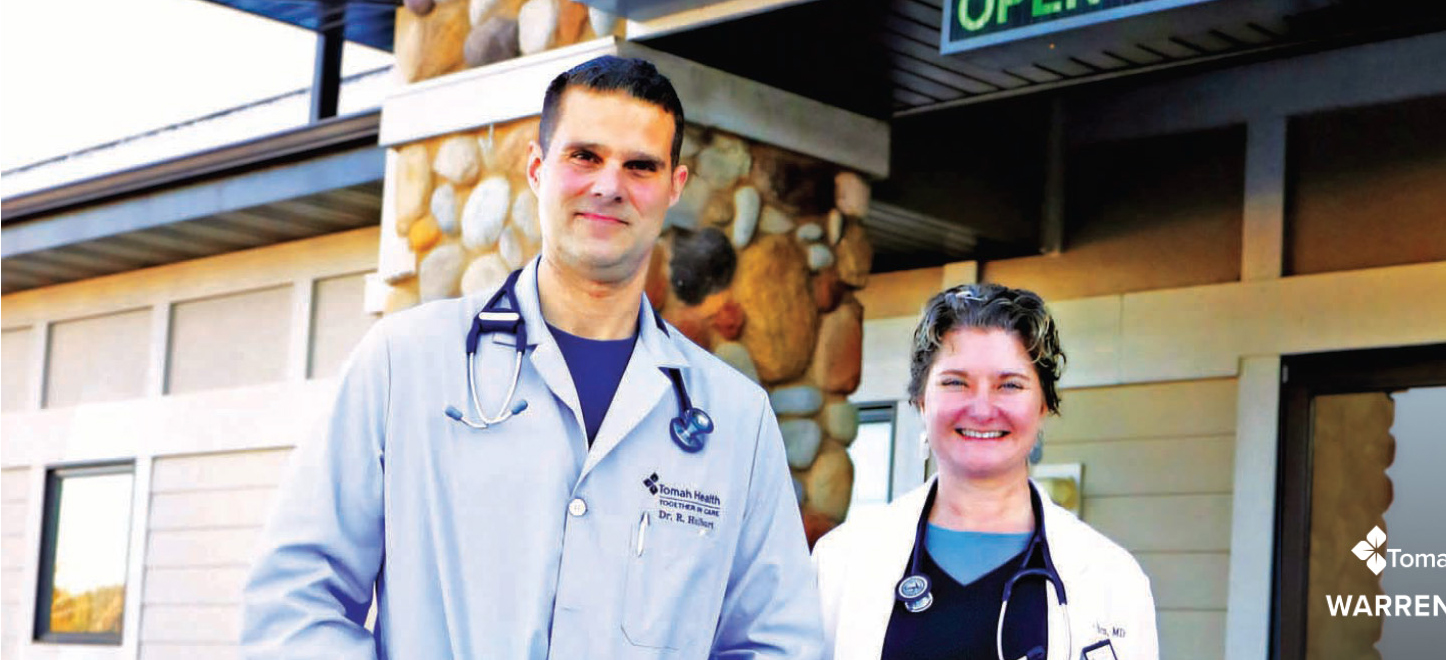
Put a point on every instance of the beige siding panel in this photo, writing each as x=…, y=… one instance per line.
x=14, y=589
x=191, y=623
x=1090, y=334
x=12, y=518
x=12, y=619
x=16, y=348
x=239, y=419
x=14, y=485
x=245, y=507
x=219, y=471
x=1163, y=522
x=273, y=265
x=102, y=358
x=200, y=586
x=1192, y=635
x=12, y=550
x=202, y=547
x=885, y=369
x=900, y=293
x=1204, y=331
x=1171, y=466
x=1155, y=410
x=165, y=651
x=230, y=341
x=339, y=320
x=1187, y=580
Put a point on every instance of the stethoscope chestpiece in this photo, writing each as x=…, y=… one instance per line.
x=913, y=591
x=690, y=430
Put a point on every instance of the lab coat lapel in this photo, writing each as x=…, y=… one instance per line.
x=1057, y=525
x=888, y=562
x=643, y=387
x=546, y=358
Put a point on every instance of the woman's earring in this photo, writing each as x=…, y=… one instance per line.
x=1036, y=453
x=923, y=444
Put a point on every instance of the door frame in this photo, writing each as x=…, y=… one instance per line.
x=1304, y=377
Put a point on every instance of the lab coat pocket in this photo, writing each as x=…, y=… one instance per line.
x=670, y=584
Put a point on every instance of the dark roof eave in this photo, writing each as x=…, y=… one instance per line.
x=327, y=136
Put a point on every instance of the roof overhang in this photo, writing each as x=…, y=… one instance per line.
x=369, y=22
x=317, y=179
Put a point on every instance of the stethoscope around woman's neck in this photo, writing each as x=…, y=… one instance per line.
x=690, y=429
x=916, y=592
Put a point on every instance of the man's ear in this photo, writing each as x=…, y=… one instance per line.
x=534, y=165
x=680, y=178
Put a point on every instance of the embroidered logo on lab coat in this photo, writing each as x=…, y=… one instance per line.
x=685, y=504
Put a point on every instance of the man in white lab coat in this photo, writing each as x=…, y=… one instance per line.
x=603, y=519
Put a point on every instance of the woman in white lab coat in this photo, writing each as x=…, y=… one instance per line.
x=976, y=563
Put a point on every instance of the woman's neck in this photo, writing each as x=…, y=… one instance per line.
x=1000, y=506
x=588, y=308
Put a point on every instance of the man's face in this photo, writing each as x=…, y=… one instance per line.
x=605, y=184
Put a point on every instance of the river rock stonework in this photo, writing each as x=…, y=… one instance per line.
x=437, y=38
x=753, y=269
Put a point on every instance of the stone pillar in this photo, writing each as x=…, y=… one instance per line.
x=462, y=211
x=436, y=37
x=758, y=261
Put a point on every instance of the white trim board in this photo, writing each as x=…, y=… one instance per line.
x=514, y=89
x=1204, y=331
x=718, y=11
x=1252, y=524
x=269, y=416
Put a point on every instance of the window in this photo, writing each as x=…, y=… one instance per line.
x=872, y=453
x=82, y=585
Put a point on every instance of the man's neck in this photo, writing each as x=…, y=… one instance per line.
x=587, y=308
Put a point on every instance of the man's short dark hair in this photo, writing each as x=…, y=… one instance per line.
x=634, y=77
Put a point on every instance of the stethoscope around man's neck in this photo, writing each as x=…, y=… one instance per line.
x=915, y=592
x=690, y=429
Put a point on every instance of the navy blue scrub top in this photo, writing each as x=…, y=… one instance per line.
x=597, y=367
x=961, y=623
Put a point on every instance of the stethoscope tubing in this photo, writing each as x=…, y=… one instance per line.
x=689, y=430
x=506, y=411
x=915, y=590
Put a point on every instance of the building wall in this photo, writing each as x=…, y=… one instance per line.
x=1158, y=463
x=1365, y=186
x=14, y=501
x=1164, y=411
x=1176, y=295
x=1138, y=217
x=207, y=511
x=204, y=373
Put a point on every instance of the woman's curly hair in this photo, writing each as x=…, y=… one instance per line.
x=989, y=306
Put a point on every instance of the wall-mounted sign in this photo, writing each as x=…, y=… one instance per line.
x=970, y=24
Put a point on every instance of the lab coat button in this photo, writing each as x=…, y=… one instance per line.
x=577, y=507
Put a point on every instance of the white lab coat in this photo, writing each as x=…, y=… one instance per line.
x=861, y=561
x=474, y=539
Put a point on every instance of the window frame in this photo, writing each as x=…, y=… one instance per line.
x=873, y=412
x=50, y=528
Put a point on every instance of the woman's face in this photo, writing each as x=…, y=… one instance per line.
x=982, y=404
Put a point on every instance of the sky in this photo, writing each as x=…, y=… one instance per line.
x=86, y=72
